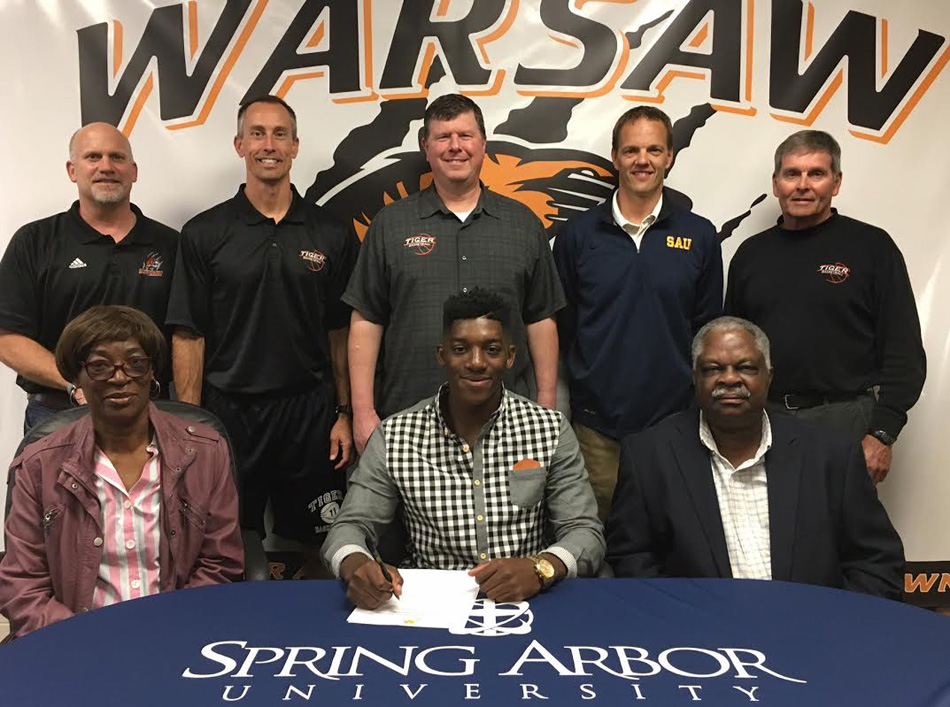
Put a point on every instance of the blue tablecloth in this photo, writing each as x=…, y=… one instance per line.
x=612, y=642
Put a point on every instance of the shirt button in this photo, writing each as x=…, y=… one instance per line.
x=465, y=448
x=483, y=556
x=478, y=517
x=273, y=245
x=97, y=542
x=74, y=485
x=464, y=257
x=129, y=544
x=477, y=482
x=464, y=289
x=135, y=584
x=127, y=504
x=190, y=428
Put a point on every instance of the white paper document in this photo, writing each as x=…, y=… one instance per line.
x=430, y=599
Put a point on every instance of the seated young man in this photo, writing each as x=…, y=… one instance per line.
x=490, y=482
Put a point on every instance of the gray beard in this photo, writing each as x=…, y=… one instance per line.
x=109, y=196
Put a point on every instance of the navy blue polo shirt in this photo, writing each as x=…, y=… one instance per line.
x=56, y=268
x=632, y=313
x=263, y=294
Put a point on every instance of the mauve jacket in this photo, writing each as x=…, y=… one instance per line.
x=52, y=555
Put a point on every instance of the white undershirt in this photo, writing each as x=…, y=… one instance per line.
x=743, y=505
x=634, y=230
x=462, y=215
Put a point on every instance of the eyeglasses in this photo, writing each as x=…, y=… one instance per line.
x=102, y=370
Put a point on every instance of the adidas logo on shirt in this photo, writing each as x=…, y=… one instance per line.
x=77, y=263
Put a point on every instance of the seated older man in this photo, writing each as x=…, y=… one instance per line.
x=490, y=482
x=125, y=502
x=727, y=490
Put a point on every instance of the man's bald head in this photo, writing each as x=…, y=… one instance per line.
x=85, y=131
x=101, y=165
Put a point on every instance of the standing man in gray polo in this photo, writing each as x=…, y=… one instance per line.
x=450, y=237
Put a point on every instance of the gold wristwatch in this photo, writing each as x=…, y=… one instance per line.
x=544, y=569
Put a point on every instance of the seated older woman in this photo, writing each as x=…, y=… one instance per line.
x=127, y=501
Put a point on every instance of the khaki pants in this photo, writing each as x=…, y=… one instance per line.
x=602, y=458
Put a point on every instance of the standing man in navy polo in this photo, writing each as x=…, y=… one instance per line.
x=260, y=337
x=447, y=238
x=102, y=251
x=641, y=276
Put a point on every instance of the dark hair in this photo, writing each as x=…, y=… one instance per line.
x=266, y=99
x=809, y=141
x=642, y=113
x=106, y=323
x=475, y=304
x=448, y=107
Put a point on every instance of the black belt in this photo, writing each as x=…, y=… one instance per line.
x=55, y=399
x=793, y=401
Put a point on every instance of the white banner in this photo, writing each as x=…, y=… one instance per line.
x=736, y=76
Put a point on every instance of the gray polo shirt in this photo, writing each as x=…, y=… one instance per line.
x=417, y=253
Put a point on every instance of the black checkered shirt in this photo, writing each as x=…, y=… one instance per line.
x=463, y=505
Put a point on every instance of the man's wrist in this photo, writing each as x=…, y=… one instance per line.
x=351, y=563
x=560, y=569
x=883, y=436
x=343, y=552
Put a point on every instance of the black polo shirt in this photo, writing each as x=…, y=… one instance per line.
x=56, y=268
x=263, y=294
x=417, y=253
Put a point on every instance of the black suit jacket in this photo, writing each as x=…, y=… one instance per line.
x=826, y=524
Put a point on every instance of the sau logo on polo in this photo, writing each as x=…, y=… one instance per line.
x=835, y=273
x=420, y=244
x=679, y=242
x=314, y=258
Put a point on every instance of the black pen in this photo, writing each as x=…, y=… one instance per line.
x=388, y=577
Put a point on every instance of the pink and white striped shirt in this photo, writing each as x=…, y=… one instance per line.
x=131, y=531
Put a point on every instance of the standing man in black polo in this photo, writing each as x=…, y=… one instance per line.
x=833, y=295
x=102, y=251
x=260, y=336
x=450, y=237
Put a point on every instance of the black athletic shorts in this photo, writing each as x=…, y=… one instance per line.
x=281, y=451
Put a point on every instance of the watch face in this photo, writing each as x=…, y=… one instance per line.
x=545, y=569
